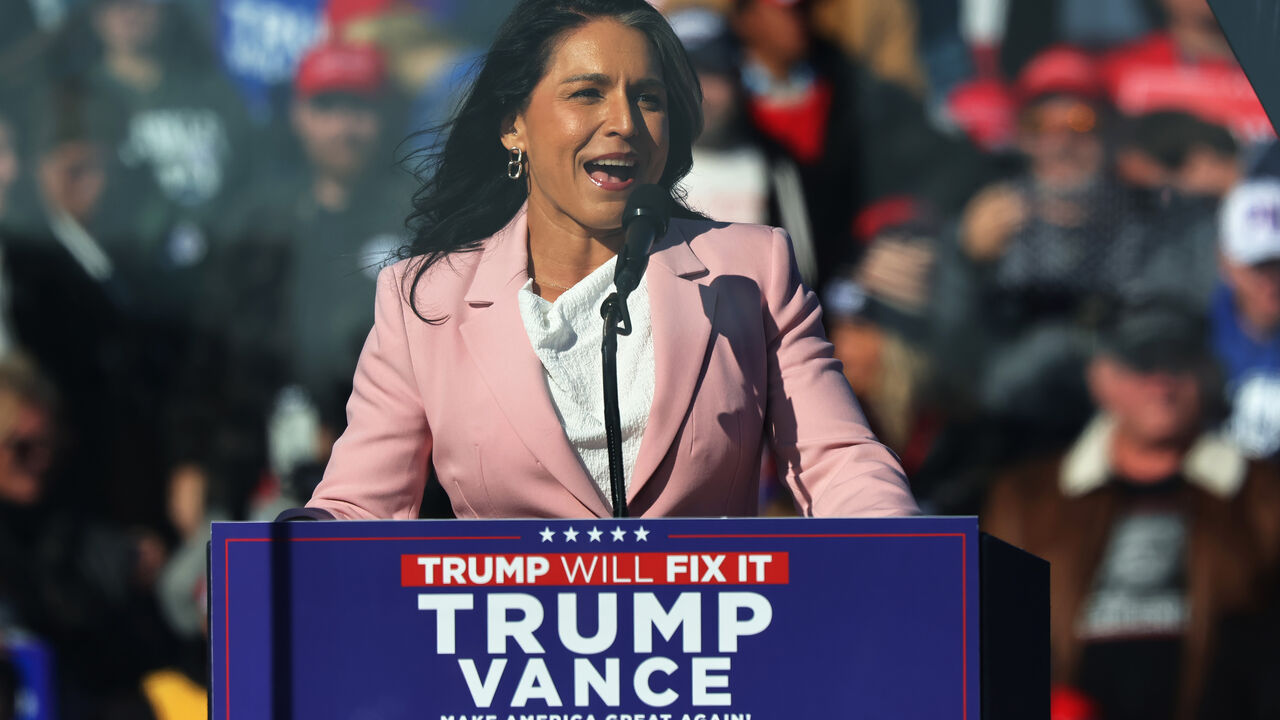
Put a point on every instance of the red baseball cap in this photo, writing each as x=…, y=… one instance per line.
x=1060, y=70
x=341, y=12
x=337, y=67
x=884, y=214
x=986, y=111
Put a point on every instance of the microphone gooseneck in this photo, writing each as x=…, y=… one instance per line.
x=643, y=221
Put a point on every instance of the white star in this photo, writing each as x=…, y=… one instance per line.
x=595, y=534
x=571, y=535
x=642, y=534
x=547, y=535
x=618, y=534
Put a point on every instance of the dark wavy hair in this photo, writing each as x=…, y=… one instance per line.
x=465, y=195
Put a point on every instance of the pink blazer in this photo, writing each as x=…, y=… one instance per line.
x=740, y=360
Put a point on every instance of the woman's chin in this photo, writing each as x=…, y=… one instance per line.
x=595, y=208
x=602, y=209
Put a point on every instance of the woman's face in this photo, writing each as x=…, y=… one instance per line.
x=595, y=126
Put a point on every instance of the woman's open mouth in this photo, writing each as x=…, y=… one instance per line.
x=612, y=172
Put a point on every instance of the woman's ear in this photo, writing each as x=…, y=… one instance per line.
x=512, y=136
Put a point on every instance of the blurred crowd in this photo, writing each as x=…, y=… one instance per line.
x=1046, y=236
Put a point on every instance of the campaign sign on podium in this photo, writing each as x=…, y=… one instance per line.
x=767, y=619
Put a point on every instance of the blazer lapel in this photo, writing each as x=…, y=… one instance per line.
x=495, y=337
x=682, y=313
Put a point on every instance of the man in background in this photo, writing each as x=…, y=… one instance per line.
x=853, y=137
x=1186, y=66
x=296, y=294
x=1246, y=314
x=1155, y=528
x=83, y=587
x=735, y=178
x=1033, y=259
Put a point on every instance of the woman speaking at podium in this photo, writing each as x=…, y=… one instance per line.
x=484, y=358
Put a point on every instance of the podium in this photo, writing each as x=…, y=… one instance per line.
x=601, y=619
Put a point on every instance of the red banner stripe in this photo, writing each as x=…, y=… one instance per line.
x=594, y=569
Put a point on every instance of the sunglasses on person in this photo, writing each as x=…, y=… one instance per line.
x=1079, y=118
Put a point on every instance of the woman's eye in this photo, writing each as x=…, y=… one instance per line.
x=586, y=93
x=651, y=100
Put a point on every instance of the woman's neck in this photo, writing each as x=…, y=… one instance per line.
x=562, y=252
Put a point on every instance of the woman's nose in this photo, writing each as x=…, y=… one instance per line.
x=621, y=116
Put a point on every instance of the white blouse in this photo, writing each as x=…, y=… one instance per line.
x=566, y=335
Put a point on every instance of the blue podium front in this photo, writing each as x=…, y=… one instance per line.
x=599, y=619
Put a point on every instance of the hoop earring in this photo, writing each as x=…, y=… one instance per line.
x=515, y=166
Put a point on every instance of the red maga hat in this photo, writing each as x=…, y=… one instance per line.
x=337, y=67
x=1060, y=70
x=341, y=12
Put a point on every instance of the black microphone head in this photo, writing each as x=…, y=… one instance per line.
x=651, y=202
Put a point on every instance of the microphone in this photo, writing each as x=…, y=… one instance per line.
x=644, y=221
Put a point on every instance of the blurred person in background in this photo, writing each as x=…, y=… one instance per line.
x=1176, y=168
x=10, y=164
x=56, y=266
x=1096, y=25
x=731, y=178
x=1245, y=314
x=83, y=586
x=881, y=34
x=26, y=450
x=192, y=502
x=172, y=112
x=170, y=136
x=297, y=295
x=876, y=321
x=342, y=215
x=1186, y=66
x=798, y=104
x=1174, y=152
x=1154, y=526
x=67, y=254
x=854, y=137
x=10, y=173
x=1036, y=258
x=735, y=178
x=178, y=689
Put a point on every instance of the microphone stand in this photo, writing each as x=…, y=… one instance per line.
x=643, y=221
x=617, y=321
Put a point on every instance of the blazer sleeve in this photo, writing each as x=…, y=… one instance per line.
x=379, y=466
x=826, y=453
